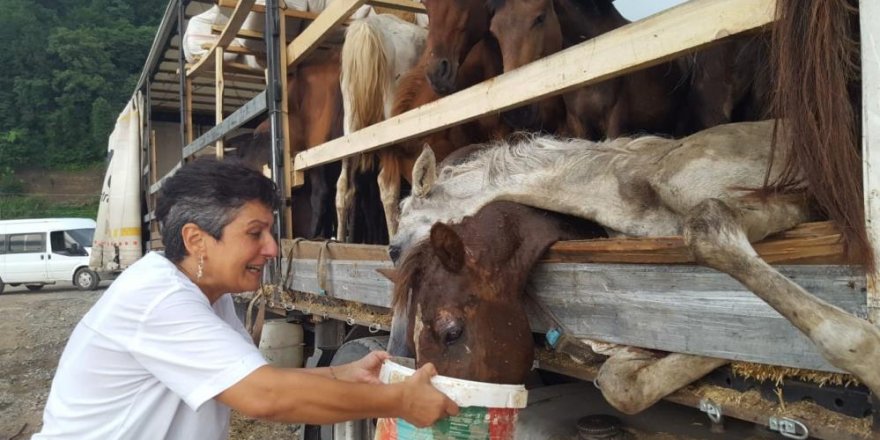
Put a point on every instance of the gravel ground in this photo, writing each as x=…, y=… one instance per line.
x=34, y=328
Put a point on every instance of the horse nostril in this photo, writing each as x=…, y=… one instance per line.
x=394, y=253
x=443, y=68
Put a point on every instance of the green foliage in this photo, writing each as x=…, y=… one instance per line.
x=71, y=67
x=13, y=207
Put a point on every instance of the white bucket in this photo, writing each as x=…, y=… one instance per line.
x=487, y=411
x=282, y=343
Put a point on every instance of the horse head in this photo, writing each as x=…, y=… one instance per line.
x=455, y=26
x=459, y=295
x=527, y=30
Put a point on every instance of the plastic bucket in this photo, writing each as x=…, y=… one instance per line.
x=488, y=411
x=281, y=343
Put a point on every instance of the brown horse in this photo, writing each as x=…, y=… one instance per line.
x=315, y=116
x=468, y=290
x=454, y=28
x=648, y=100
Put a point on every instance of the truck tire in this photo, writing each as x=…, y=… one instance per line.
x=350, y=352
x=2, y=286
x=85, y=279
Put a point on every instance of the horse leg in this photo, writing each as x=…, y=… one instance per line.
x=345, y=191
x=389, y=190
x=719, y=236
x=633, y=379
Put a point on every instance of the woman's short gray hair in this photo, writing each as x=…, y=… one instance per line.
x=208, y=193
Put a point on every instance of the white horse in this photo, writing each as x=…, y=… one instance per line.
x=698, y=187
x=377, y=51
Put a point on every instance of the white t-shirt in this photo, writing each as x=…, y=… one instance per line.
x=146, y=361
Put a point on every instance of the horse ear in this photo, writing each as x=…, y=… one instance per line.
x=424, y=172
x=448, y=247
x=389, y=273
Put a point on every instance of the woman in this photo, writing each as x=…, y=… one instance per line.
x=162, y=354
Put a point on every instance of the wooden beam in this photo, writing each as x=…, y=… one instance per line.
x=286, y=12
x=218, y=90
x=317, y=31
x=227, y=35
x=869, y=13
x=400, y=5
x=676, y=308
x=808, y=243
x=653, y=40
x=242, y=33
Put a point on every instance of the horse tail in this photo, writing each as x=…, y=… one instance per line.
x=366, y=76
x=815, y=63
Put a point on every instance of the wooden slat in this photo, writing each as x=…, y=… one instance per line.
x=317, y=31
x=400, y=5
x=242, y=33
x=809, y=243
x=686, y=309
x=226, y=36
x=648, y=42
x=261, y=8
x=869, y=13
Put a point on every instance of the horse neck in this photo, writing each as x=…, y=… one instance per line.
x=581, y=20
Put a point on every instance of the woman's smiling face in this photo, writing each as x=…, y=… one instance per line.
x=235, y=262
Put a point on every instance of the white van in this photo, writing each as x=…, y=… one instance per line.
x=36, y=252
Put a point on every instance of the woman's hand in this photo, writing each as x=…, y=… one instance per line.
x=365, y=370
x=422, y=405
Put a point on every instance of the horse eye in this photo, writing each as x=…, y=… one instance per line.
x=451, y=334
x=539, y=20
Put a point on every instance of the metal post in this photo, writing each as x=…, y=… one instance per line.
x=181, y=68
x=273, y=100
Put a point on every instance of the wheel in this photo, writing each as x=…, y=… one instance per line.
x=34, y=287
x=85, y=279
x=2, y=286
x=350, y=352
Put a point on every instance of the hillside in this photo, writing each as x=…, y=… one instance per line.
x=52, y=193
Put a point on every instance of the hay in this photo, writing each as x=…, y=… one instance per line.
x=777, y=375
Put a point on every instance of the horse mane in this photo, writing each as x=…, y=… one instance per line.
x=408, y=273
x=815, y=56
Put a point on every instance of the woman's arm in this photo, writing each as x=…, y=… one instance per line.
x=295, y=396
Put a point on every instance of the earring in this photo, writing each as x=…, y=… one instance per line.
x=201, y=269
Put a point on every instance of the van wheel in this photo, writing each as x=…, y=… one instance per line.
x=34, y=287
x=86, y=279
x=2, y=286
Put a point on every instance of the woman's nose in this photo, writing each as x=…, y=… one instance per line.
x=270, y=247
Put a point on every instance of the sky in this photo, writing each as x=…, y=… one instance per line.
x=637, y=9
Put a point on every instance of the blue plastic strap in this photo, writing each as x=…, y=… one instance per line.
x=553, y=336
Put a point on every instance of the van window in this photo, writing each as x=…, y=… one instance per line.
x=66, y=243
x=83, y=237
x=27, y=243
x=2, y=244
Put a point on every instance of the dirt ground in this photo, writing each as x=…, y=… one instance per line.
x=34, y=328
